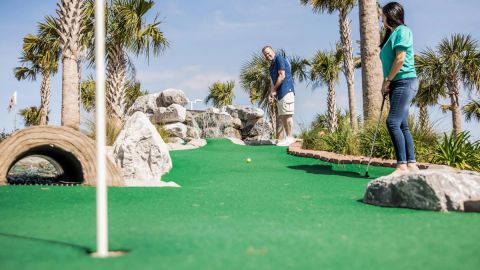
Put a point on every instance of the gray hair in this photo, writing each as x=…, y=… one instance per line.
x=266, y=47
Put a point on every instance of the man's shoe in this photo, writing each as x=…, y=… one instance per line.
x=283, y=142
x=286, y=142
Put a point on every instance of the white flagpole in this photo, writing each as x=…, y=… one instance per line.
x=102, y=217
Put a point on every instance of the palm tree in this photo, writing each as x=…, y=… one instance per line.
x=325, y=69
x=456, y=60
x=472, y=110
x=70, y=30
x=128, y=31
x=343, y=7
x=221, y=93
x=133, y=90
x=372, y=76
x=255, y=80
x=31, y=116
x=87, y=94
x=40, y=55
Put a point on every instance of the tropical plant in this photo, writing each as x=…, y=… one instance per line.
x=70, y=30
x=87, y=94
x=221, y=93
x=163, y=133
x=128, y=31
x=424, y=135
x=427, y=95
x=372, y=76
x=344, y=140
x=40, y=55
x=4, y=135
x=343, y=7
x=457, y=151
x=255, y=80
x=456, y=61
x=325, y=70
x=133, y=90
x=31, y=116
x=472, y=110
x=383, y=143
x=112, y=129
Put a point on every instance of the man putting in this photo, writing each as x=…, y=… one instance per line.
x=281, y=90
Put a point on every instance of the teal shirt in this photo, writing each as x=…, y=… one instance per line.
x=401, y=39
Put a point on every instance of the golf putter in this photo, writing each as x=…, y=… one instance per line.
x=375, y=135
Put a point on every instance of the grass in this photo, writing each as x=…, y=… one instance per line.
x=277, y=212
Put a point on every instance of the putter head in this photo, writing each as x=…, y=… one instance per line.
x=367, y=175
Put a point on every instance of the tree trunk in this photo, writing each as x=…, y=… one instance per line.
x=372, y=75
x=116, y=82
x=424, y=118
x=70, y=94
x=70, y=13
x=332, y=108
x=455, y=107
x=45, y=90
x=346, y=40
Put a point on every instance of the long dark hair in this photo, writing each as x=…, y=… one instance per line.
x=395, y=17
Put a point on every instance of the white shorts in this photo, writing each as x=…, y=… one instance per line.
x=286, y=105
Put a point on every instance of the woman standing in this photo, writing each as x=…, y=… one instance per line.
x=400, y=83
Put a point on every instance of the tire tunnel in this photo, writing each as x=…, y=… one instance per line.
x=69, y=151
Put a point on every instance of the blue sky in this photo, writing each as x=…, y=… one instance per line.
x=211, y=40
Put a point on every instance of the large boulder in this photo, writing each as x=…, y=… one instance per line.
x=231, y=132
x=440, y=189
x=257, y=129
x=141, y=153
x=146, y=104
x=211, y=124
x=171, y=114
x=243, y=112
x=193, y=132
x=171, y=96
x=176, y=129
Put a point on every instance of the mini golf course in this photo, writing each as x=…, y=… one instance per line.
x=276, y=212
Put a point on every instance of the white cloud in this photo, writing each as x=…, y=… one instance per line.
x=192, y=79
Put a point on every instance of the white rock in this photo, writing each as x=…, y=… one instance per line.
x=171, y=114
x=141, y=153
x=243, y=112
x=176, y=129
x=176, y=140
x=172, y=96
x=432, y=189
x=197, y=142
x=193, y=132
x=146, y=104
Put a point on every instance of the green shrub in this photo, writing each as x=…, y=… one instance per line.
x=343, y=141
x=163, y=133
x=4, y=135
x=112, y=130
x=457, y=151
x=424, y=138
x=383, y=143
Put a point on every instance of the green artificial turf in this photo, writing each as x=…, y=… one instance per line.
x=277, y=212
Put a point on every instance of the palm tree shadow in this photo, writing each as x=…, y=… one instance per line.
x=54, y=242
x=325, y=170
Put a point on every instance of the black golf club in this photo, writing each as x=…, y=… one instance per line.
x=375, y=135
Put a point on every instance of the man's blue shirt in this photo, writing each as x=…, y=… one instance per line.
x=279, y=63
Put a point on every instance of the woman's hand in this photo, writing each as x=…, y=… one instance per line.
x=385, y=87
